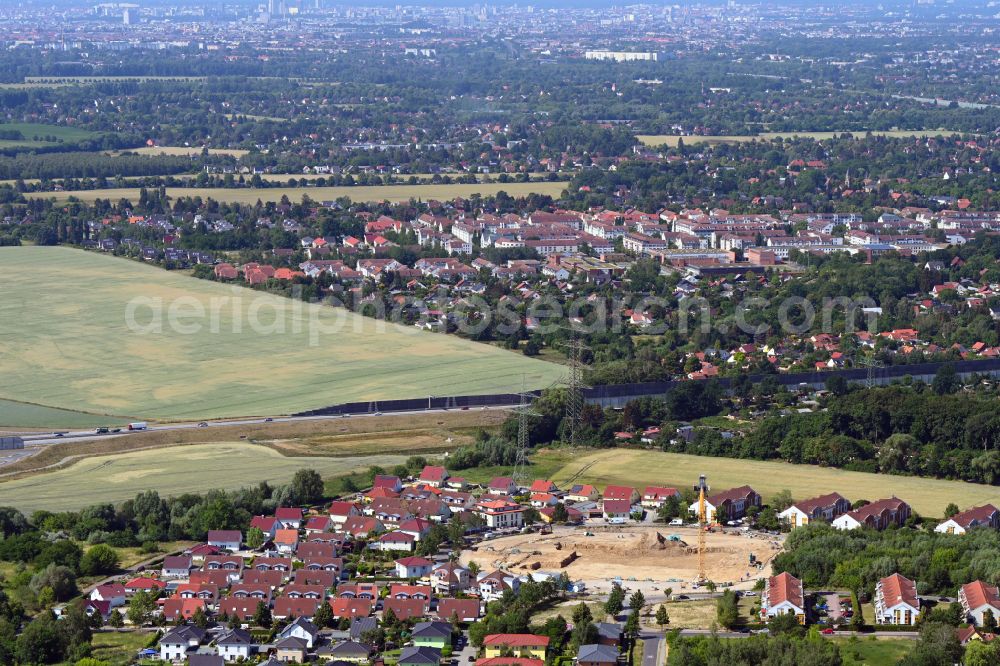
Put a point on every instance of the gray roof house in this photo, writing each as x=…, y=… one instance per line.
x=419, y=655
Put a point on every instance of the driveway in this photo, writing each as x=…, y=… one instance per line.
x=833, y=609
x=465, y=653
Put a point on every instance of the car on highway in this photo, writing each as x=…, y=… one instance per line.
x=59, y=434
x=268, y=419
x=828, y=631
x=202, y=425
x=101, y=431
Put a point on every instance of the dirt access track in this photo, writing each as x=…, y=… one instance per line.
x=628, y=552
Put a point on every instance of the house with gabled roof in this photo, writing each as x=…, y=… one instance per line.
x=289, y=517
x=977, y=598
x=269, y=525
x=877, y=515
x=783, y=595
x=406, y=609
x=503, y=486
x=825, y=508
x=395, y=541
x=466, y=610
x=235, y=644
x=433, y=475
x=286, y=606
x=653, y=497
x=582, y=493
x=521, y=645
x=627, y=493
x=730, y=504
x=178, y=641
x=301, y=628
x=493, y=585
x=978, y=516
x=351, y=608
x=450, y=577
x=230, y=540
x=413, y=567
x=896, y=601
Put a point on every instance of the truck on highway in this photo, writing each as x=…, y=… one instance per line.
x=138, y=425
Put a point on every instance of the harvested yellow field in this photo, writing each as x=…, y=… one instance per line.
x=672, y=140
x=394, y=193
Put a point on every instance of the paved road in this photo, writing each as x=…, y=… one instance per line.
x=466, y=654
x=34, y=439
x=652, y=645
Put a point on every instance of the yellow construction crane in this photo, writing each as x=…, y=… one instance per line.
x=702, y=526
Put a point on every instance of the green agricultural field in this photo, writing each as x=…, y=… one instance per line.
x=356, y=193
x=928, y=497
x=15, y=414
x=246, y=353
x=671, y=140
x=171, y=471
x=34, y=135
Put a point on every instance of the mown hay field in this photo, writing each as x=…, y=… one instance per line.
x=104, y=335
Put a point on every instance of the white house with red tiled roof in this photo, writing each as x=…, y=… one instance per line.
x=728, y=505
x=653, y=497
x=978, y=597
x=878, y=515
x=783, y=595
x=896, y=601
x=500, y=513
x=413, y=567
x=433, y=475
x=825, y=507
x=979, y=516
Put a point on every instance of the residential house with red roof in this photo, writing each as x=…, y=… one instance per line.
x=518, y=645
x=500, y=513
x=877, y=515
x=628, y=493
x=289, y=517
x=896, y=601
x=728, y=505
x=406, y=609
x=977, y=598
x=286, y=606
x=433, y=475
x=340, y=511
x=351, y=608
x=467, y=610
x=413, y=567
x=653, y=497
x=450, y=578
x=502, y=485
x=269, y=525
x=978, y=516
x=783, y=595
x=825, y=507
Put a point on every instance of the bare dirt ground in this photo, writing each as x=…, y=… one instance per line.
x=632, y=553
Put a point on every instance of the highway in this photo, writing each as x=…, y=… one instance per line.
x=36, y=438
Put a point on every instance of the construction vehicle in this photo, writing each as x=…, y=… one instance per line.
x=703, y=526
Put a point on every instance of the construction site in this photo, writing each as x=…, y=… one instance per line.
x=658, y=555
